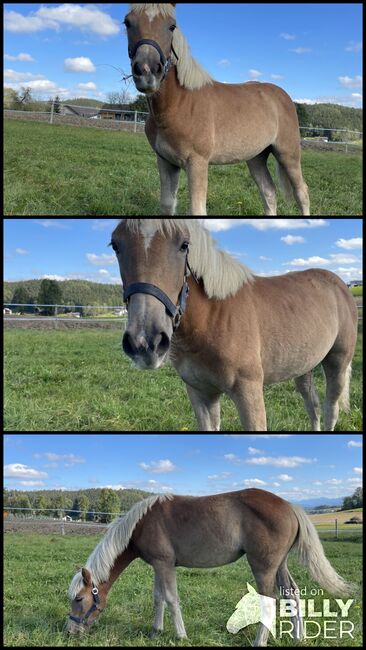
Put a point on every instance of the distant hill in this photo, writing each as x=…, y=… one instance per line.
x=313, y=503
x=74, y=292
x=330, y=116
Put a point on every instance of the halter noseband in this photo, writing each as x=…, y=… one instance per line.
x=174, y=311
x=165, y=62
x=83, y=620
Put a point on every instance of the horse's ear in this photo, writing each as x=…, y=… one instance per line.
x=87, y=577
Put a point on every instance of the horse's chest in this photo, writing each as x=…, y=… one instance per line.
x=166, y=150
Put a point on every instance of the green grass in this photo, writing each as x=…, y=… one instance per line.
x=79, y=380
x=39, y=568
x=68, y=170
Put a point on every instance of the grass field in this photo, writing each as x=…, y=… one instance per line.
x=78, y=380
x=68, y=170
x=39, y=568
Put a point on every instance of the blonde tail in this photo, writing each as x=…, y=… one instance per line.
x=311, y=553
x=344, y=403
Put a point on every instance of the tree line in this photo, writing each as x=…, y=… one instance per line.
x=81, y=505
x=68, y=292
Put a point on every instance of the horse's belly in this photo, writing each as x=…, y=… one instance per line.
x=205, y=561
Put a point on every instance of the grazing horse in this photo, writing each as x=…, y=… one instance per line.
x=201, y=532
x=227, y=330
x=195, y=121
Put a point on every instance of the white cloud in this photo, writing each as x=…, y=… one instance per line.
x=287, y=37
x=254, y=74
x=301, y=50
x=355, y=443
x=349, y=82
x=71, y=459
x=21, y=251
x=285, y=477
x=253, y=482
x=315, y=259
x=292, y=239
x=90, y=85
x=18, y=470
x=22, y=56
x=31, y=483
x=101, y=260
x=357, y=470
x=51, y=223
x=79, y=64
x=253, y=451
x=159, y=467
x=280, y=461
x=349, y=244
x=86, y=18
x=217, y=225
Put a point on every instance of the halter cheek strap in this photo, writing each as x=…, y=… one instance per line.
x=83, y=620
x=174, y=311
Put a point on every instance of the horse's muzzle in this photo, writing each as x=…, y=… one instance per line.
x=147, y=352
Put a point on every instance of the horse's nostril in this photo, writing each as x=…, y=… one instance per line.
x=128, y=346
x=164, y=344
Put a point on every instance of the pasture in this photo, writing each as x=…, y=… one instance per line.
x=61, y=170
x=38, y=569
x=79, y=380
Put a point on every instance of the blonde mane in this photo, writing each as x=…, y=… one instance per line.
x=190, y=74
x=114, y=542
x=221, y=274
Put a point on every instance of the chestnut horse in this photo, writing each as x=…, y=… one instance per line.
x=236, y=331
x=195, y=122
x=201, y=532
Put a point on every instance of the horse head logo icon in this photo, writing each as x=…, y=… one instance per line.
x=253, y=608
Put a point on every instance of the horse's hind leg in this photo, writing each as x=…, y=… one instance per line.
x=267, y=189
x=337, y=368
x=306, y=387
x=290, y=171
x=289, y=591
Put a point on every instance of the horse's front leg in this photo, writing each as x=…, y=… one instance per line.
x=166, y=575
x=207, y=409
x=197, y=171
x=249, y=400
x=169, y=183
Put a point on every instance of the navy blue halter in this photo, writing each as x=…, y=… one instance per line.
x=174, y=311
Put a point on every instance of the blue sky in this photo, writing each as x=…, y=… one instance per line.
x=312, y=50
x=77, y=248
x=293, y=466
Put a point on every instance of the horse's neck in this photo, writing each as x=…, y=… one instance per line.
x=121, y=563
x=169, y=95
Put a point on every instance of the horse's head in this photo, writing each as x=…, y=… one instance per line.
x=154, y=269
x=86, y=604
x=150, y=30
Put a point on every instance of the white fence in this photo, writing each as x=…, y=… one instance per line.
x=134, y=123
x=61, y=316
x=26, y=519
x=348, y=144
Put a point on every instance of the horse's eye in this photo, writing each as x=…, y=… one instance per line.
x=127, y=23
x=79, y=599
x=185, y=246
x=115, y=248
x=172, y=28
